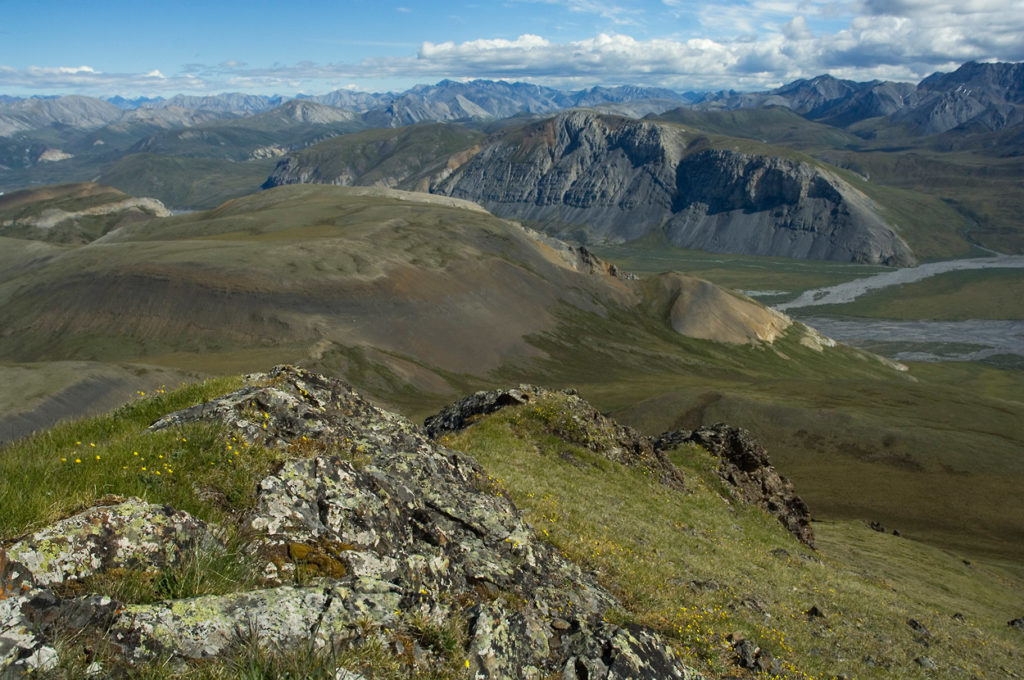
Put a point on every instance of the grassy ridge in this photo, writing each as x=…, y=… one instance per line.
x=390, y=156
x=859, y=439
x=699, y=567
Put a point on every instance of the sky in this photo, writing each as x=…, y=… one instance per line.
x=164, y=47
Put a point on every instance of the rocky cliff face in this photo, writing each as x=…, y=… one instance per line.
x=745, y=203
x=607, y=179
x=368, y=532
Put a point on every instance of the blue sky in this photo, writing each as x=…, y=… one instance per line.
x=163, y=47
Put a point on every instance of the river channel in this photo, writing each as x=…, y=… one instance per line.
x=972, y=340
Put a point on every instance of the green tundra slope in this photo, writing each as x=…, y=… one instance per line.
x=418, y=298
x=682, y=554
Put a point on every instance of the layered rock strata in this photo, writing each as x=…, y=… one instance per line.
x=606, y=179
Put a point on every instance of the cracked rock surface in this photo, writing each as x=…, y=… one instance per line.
x=369, y=526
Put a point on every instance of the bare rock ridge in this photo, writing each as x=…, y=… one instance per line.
x=397, y=531
x=607, y=179
x=79, y=212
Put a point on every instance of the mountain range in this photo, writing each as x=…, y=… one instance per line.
x=986, y=95
x=447, y=100
x=877, y=172
x=977, y=96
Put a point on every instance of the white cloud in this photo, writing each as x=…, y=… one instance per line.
x=796, y=29
x=754, y=44
x=615, y=13
x=60, y=70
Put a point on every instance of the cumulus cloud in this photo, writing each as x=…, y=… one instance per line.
x=797, y=29
x=748, y=44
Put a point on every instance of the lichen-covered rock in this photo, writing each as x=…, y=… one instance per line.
x=128, y=535
x=589, y=649
x=630, y=653
x=132, y=534
x=18, y=642
x=32, y=619
x=368, y=531
x=208, y=626
x=744, y=464
x=464, y=412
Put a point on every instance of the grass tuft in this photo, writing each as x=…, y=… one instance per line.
x=199, y=468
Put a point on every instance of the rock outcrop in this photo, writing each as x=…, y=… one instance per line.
x=745, y=466
x=744, y=463
x=607, y=179
x=366, y=527
x=580, y=423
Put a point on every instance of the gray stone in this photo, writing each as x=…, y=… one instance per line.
x=604, y=179
x=369, y=528
x=131, y=534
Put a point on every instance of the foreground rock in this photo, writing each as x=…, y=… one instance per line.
x=369, y=531
x=745, y=466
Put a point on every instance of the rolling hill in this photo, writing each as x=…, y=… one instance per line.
x=417, y=298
